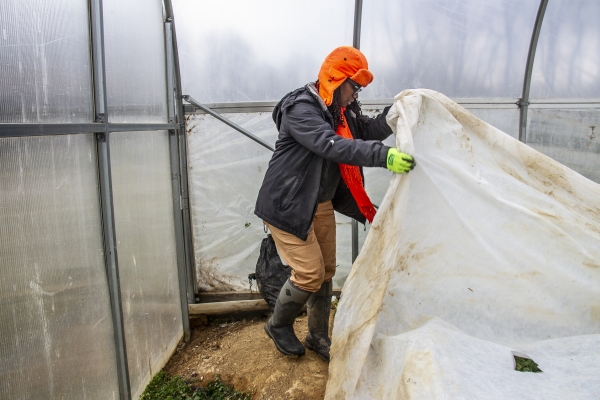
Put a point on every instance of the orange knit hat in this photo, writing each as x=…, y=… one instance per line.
x=342, y=63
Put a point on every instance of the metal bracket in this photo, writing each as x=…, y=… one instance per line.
x=101, y=118
x=185, y=205
x=522, y=103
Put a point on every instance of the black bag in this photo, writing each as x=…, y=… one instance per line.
x=270, y=273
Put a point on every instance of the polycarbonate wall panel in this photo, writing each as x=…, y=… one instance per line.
x=56, y=334
x=567, y=59
x=570, y=136
x=136, y=80
x=45, y=73
x=238, y=50
x=146, y=250
x=462, y=48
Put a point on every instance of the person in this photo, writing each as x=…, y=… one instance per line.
x=324, y=140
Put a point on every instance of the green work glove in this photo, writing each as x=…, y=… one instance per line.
x=399, y=162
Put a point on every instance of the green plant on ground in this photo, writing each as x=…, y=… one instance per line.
x=163, y=387
x=334, y=305
x=526, y=365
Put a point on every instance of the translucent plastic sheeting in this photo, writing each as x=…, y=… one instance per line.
x=464, y=48
x=56, y=334
x=570, y=136
x=486, y=249
x=146, y=248
x=136, y=80
x=45, y=61
x=567, y=59
x=238, y=50
x=223, y=191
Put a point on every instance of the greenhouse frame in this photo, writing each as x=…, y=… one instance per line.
x=131, y=155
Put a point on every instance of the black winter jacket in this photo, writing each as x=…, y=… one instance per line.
x=306, y=152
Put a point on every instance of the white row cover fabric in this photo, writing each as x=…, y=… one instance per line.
x=486, y=249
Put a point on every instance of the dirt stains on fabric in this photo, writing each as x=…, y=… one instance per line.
x=510, y=171
x=548, y=172
x=410, y=256
x=465, y=142
x=412, y=376
x=543, y=174
x=592, y=227
x=592, y=265
x=546, y=215
x=209, y=279
x=595, y=313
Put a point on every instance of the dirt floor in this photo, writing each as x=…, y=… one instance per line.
x=244, y=356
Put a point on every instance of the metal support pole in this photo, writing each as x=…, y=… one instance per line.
x=106, y=196
x=356, y=44
x=354, y=240
x=112, y=266
x=524, y=101
x=179, y=235
x=190, y=260
x=21, y=130
x=357, y=23
x=174, y=150
x=170, y=70
x=235, y=126
x=183, y=177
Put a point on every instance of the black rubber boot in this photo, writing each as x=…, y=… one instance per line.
x=280, y=327
x=318, y=307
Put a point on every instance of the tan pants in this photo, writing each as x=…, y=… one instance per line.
x=312, y=261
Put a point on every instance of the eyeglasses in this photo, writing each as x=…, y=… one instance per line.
x=357, y=88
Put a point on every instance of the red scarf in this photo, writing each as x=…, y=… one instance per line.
x=352, y=177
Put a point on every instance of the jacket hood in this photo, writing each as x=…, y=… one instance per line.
x=308, y=93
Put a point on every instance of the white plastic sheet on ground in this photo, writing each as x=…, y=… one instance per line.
x=486, y=248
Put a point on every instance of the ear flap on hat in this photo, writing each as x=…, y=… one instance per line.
x=363, y=77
